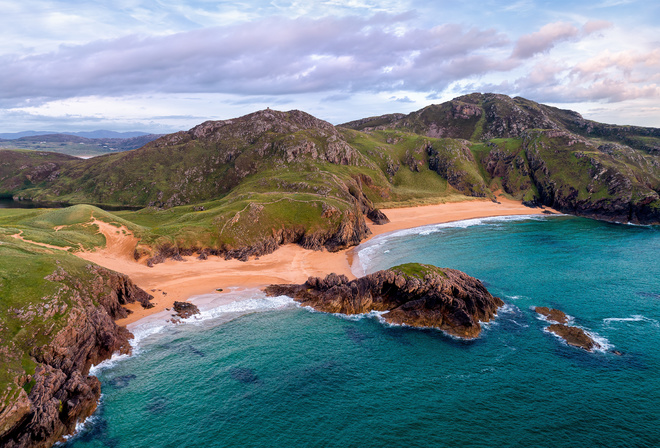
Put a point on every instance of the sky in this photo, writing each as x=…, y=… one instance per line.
x=165, y=65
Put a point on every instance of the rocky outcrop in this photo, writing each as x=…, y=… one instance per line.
x=60, y=393
x=412, y=294
x=185, y=309
x=574, y=336
x=552, y=314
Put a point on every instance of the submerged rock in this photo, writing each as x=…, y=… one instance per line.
x=412, y=294
x=244, y=375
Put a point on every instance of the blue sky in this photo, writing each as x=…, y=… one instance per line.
x=161, y=66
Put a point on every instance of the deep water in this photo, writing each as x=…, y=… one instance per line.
x=290, y=377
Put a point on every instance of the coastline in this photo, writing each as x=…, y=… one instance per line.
x=178, y=281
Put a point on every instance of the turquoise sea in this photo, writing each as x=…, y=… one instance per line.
x=267, y=373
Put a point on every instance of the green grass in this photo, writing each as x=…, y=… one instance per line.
x=418, y=270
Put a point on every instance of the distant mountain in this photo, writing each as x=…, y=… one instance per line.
x=87, y=134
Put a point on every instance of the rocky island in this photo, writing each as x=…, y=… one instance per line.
x=412, y=294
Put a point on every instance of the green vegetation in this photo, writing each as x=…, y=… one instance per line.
x=418, y=270
x=34, y=305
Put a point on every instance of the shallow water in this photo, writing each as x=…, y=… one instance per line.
x=286, y=376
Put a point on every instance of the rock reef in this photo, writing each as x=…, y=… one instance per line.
x=574, y=336
x=412, y=294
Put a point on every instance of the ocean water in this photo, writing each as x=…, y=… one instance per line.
x=267, y=373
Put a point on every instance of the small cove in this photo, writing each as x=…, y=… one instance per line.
x=279, y=375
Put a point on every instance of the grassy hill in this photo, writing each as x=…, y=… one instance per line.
x=246, y=185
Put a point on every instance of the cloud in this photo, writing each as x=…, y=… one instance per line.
x=544, y=39
x=594, y=26
x=274, y=56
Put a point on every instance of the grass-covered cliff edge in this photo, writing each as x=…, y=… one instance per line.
x=56, y=319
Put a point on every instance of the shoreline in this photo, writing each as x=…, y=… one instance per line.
x=180, y=280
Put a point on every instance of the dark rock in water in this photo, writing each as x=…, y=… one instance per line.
x=648, y=294
x=121, y=381
x=355, y=335
x=552, y=314
x=574, y=336
x=195, y=351
x=412, y=294
x=158, y=405
x=244, y=375
x=185, y=309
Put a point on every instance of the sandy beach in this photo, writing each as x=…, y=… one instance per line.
x=179, y=280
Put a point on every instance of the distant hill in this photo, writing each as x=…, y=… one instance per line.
x=77, y=145
x=87, y=134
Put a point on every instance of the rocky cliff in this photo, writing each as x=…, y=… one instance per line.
x=412, y=294
x=59, y=392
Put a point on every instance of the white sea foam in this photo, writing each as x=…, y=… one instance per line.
x=517, y=297
x=367, y=252
x=256, y=302
x=212, y=306
x=80, y=427
x=507, y=308
x=604, y=344
x=634, y=318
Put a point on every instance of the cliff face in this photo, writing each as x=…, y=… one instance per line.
x=60, y=393
x=573, y=174
x=412, y=294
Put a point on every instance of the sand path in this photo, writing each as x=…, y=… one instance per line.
x=176, y=280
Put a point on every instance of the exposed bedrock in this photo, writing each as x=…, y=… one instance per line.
x=412, y=294
x=574, y=336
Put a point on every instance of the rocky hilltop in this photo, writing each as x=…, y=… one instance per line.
x=412, y=294
x=49, y=340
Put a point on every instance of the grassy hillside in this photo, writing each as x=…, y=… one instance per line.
x=305, y=177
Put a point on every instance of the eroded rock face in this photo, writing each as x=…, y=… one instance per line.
x=62, y=393
x=412, y=294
